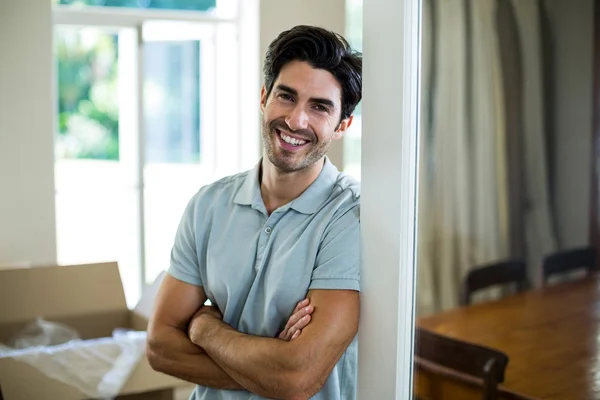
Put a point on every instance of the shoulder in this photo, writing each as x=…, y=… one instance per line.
x=230, y=183
x=347, y=186
x=222, y=188
x=213, y=198
x=345, y=195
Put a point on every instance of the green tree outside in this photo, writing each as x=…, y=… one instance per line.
x=87, y=67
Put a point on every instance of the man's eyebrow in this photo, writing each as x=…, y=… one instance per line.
x=288, y=89
x=294, y=92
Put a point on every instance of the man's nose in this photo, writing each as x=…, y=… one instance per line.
x=297, y=119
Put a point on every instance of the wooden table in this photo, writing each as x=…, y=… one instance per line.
x=551, y=336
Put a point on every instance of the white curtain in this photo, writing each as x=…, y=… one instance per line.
x=427, y=285
x=488, y=135
x=539, y=231
x=463, y=187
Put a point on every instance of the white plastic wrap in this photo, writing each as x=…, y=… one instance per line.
x=97, y=367
x=42, y=333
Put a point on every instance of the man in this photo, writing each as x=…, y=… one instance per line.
x=256, y=244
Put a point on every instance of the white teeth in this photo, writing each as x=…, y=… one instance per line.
x=291, y=140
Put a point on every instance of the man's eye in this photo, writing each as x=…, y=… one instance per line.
x=285, y=96
x=320, y=108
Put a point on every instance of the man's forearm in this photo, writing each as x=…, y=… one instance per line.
x=171, y=352
x=264, y=366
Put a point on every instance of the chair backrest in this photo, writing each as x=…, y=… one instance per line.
x=467, y=361
x=568, y=261
x=433, y=382
x=500, y=273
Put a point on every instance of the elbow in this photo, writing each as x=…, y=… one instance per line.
x=153, y=360
x=305, y=381
x=153, y=356
x=304, y=386
x=311, y=384
x=301, y=377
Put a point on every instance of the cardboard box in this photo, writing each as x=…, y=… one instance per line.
x=88, y=298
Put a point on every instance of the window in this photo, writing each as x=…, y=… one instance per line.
x=352, y=139
x=200, y=5
x=88, y=114
x=145, y=117
x=221, y=8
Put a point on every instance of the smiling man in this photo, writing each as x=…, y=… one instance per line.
x=280, y=240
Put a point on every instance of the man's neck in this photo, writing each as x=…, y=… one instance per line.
x=279, y=188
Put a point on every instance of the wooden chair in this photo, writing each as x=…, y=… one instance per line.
x=501, y=273
x=468, y=367
x=563, y=262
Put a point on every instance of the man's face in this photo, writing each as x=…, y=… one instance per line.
x=301, y=116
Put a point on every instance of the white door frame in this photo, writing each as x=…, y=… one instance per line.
x=391, y=76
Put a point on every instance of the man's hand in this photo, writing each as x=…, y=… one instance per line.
x=169, y=349
x=212, y=311
x=282, y=369
x=298, y=321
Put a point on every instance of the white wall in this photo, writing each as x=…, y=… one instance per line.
x=279, y=15
x=27, y=223
x=27, y=212
x=572, y=25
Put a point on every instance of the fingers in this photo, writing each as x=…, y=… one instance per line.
x=298, y=315
x=293, y=319
x=295, y=330
x=299, y=306
x=298, y=321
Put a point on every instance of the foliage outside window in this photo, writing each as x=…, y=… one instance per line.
x=88, y=117
x=88, y=98
x=195, y=5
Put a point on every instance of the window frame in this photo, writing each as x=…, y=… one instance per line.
x=217, y=161
x=390, y=159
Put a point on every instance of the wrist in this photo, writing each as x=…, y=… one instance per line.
x=200, y=328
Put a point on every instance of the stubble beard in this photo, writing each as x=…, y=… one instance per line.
x=285, y=161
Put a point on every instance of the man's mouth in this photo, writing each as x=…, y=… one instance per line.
x=289, y=141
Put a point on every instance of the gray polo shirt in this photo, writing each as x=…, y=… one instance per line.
x=256, y=267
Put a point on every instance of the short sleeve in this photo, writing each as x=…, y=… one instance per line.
x=339, y=258
x=184, y=257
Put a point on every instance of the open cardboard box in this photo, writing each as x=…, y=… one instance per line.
x=88, y=298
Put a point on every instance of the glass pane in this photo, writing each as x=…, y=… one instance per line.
x=97, y=200
x=88, y=119
x=172, y=101
x=168, y=189
x=354, y=33
x=352, y=148
x=96, y=218
x=178, y=88
x=354, y=23
x=352, y=138
x=196, y=5
x=504, y=196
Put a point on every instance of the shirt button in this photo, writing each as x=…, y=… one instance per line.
x=268, y=230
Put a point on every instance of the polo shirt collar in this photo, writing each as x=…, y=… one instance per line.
x=318, y=192
x=308, y=202
x=250, y=189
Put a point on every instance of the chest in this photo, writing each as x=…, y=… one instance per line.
x=256, y=268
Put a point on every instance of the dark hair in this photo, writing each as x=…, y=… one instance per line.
x=322, y=49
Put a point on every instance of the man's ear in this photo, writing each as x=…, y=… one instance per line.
x=343, y=127
x=263, y=98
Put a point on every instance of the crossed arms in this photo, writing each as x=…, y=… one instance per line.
x=191, y=342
